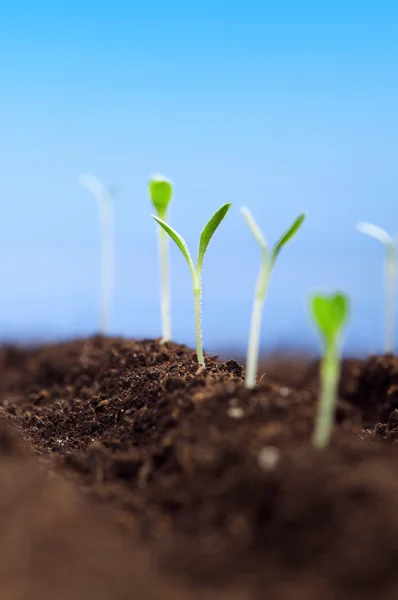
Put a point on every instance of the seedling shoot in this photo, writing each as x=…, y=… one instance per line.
x=104, y=197
x=196, y=270
x=160, y=190
x=390, y=244
x=267, y=264
x=330, y=314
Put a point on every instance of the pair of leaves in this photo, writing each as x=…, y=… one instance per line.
x=258, y=234
x=330, y=314
x=205, y=237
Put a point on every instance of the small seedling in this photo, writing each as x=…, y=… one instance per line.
x=104, y=197
x=160, y=190
x=268, y=261
x=390, y=244
x=196, y=271
x=330, y=314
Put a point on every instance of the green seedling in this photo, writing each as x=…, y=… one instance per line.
x=160, y=190
x=390, y=244
x=330, y=314
x=104, y=197
x=196, y=271
x=267, y=264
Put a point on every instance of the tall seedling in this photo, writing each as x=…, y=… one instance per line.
x=160, y=190
x=330, y=314
x=390, y=245
x=267, y=264
x=196, y=270
x=104, y=197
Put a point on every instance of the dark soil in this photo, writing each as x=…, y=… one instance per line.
x=127, y=472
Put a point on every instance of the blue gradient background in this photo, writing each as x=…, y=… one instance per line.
x=284, y=106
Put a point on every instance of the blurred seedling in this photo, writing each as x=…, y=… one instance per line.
x=196, y=270
x=390, y=244
x=267, y=264
x=104, y=196
x=161, y=190
x=330, y=315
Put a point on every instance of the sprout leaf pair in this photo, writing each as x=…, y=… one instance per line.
x=268, y=261
x=196, y=270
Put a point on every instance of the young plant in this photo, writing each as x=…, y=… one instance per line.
x=160, y=190
x=104, y=197
x=196, y=271
x=330, y=315
x=268, y=261
x=390, y=244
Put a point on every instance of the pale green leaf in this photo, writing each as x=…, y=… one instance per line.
x=330, y=314
x=209, y=231
x=179, y=241
x=375, y=232
x=160, y=190
x=254, y=228
x=286, y=237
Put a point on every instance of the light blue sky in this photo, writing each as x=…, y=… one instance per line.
x=284, y=106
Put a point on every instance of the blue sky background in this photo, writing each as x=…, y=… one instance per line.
x=284, y=106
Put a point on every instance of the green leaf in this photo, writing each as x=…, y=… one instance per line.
x=286, y=237
x=160, y=190
x=330, y=314
x=254, y=228
x=209, y=231
x=176, y=237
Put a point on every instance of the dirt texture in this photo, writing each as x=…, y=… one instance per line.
x=128, y=472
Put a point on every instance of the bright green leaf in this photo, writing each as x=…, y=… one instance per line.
x=286, y=237
x=254, y=228
x=178, y=240
x=160, y=190
x=330, y=314
x=209, y=231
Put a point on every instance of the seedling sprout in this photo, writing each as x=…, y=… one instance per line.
x=268, y=261
x=104, y=197
x=196, y=271
x=390, y=244
x=160, y=190
x=330, y=314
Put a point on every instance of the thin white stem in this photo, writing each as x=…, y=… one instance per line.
x=255, y=327
x=390, y=276
x=165, y=284
x=197, y=294
x=107, y=262
x=330, y=374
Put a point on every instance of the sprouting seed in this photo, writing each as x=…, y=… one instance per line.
x=390, y=244
x=196, y=271
x=161, y=190
x=330, y=314
x=267, y=263
x=104, y=197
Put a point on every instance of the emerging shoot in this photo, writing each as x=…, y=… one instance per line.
x=160, y=190
x=390, y=244
x=104, y=197
x=267, y=263
x=196, y=271
x=330, y=315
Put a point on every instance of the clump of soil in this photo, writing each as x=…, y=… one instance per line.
x=220, y=486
